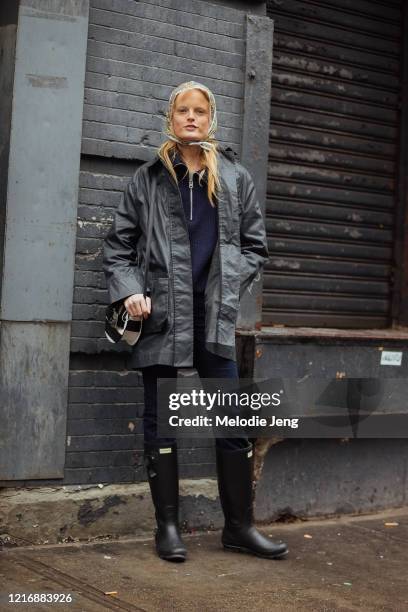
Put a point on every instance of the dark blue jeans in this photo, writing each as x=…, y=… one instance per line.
x=208, y=365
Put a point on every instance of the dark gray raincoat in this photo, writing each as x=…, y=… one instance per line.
x=241, y=250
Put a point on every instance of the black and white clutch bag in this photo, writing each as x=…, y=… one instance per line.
x=119, y=325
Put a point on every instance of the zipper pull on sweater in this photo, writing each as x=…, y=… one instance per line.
x=190, y=184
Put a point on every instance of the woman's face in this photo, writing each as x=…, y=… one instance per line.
x=191, y=115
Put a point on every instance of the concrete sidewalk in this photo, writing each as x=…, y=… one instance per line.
x=350, y=563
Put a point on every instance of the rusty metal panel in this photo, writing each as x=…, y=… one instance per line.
x=333, y=150
x=34, y=363
x=40, y=237
x=400, y=294
x=44, y=161
x=254, y=150
x=8, y=35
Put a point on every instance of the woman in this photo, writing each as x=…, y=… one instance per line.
x=208, y=245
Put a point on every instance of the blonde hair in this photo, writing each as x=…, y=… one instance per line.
x=208, y=160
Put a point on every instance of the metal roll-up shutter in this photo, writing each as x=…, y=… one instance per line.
x=331, y=198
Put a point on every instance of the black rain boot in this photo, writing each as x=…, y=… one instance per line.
x=162, y=470
x=234, y=471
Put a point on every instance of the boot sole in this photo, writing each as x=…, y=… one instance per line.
x=177, y=558
x=242, y=549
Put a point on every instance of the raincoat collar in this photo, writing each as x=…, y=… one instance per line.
x=180, y=166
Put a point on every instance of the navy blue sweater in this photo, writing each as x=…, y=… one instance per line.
x=201, y=220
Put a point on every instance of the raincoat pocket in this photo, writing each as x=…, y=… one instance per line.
x=158, y=316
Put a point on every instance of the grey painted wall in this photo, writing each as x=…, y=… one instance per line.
x=307, y=478
x=8, y=34
x=39, y=237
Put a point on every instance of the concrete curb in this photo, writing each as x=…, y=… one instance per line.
x=73, y=513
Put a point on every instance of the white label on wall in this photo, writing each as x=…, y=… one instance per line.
x=393, y=358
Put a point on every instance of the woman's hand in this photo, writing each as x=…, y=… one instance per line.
x=137, y=305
